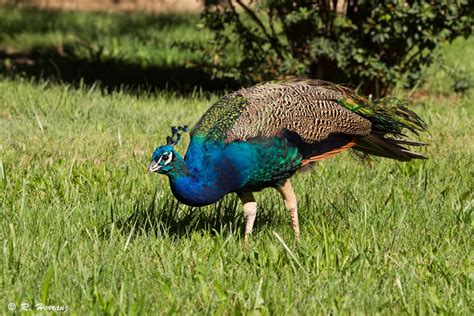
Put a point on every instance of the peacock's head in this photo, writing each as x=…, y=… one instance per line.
x=165, y=158
x=162, y=160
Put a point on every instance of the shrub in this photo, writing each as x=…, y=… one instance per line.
x=368, y=44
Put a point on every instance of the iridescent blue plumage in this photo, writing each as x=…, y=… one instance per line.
x=212, y=169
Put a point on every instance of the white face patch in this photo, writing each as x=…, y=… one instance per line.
x=170, y=157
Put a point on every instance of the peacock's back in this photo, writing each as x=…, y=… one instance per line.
x=308, y=108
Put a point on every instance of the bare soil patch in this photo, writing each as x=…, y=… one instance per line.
x=152, y=6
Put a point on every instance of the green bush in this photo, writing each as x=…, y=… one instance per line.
x=368, y=44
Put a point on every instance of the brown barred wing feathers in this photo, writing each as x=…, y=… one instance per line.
x=307, y=108
x=322, y=118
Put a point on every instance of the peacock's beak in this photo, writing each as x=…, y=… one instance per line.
x=154, y=167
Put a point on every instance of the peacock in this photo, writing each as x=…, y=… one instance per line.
x=258, y=137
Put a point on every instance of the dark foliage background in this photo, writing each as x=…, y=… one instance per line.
x=368, y=44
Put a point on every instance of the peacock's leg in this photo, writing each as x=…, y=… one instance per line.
x=291, y=205
x=250, y=211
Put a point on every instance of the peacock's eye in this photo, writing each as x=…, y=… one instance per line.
x=165, y=156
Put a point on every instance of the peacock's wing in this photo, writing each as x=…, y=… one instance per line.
x=322, y=118
x=308, y=108
x=220, y=118
x=305, y=111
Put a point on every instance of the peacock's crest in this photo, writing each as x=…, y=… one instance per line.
x=176, y=132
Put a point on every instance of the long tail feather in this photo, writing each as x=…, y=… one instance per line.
x=382, y=146
x=389, y=117
x=392, y=116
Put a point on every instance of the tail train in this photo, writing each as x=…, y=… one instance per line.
x=389, y=118
x=379, y=145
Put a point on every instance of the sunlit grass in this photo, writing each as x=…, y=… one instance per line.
x=83, y=225
x=81, y=215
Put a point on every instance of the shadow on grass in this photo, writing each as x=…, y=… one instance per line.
x=173, y=219
x=82, y=60
x=110, y=74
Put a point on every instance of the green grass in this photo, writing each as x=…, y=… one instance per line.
x=453, y=65
x=130, y=38
x=117, y=49
x=83, y=225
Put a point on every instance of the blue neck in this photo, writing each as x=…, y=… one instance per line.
x=205, y=176
x=210, y=170
x=191, y=191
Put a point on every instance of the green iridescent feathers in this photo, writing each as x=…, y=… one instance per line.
x=277, y=161
x=215, y=123
x=388, y=115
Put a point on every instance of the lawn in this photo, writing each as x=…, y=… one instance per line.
x=84, y=226
x=132, y=37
